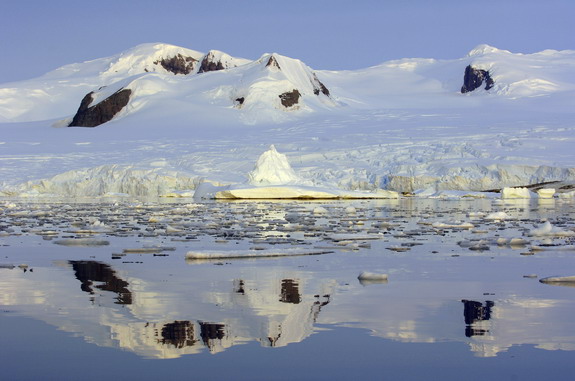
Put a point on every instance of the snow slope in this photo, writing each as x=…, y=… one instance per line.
x=402, y=125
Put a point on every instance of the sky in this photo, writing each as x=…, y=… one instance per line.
x=37, y=36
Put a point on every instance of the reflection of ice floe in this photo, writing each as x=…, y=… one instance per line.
x=568, y=281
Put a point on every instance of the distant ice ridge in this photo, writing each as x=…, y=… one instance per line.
x=109, y=180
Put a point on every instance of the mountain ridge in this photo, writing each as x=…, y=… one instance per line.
x=58, y=94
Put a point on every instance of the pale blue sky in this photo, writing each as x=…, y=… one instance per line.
x=37, y=36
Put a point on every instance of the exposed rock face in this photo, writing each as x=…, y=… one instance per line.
x=178, y=64
x=210, y=63
x=319, y=87
x=474, y=78
x=103, y=112
x=290, y=98
x=272, y=62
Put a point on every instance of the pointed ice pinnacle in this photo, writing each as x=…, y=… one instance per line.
x=272, y=168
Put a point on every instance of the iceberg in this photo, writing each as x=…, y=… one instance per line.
x=274, y=178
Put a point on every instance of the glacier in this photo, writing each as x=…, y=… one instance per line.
x=400, y=126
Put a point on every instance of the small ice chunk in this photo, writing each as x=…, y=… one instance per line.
x=566, y=195
x=546, y=192
x=498, y=216
x=553, y=248
x=267, y=253
x=559, y=280
x=173, y=229
x=82, y=242
x=320, y=210
x=453, y=225
x=549, y=230
x=366, y=275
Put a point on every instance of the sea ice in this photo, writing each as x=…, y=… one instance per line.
x=266, y=253
x=546, y=229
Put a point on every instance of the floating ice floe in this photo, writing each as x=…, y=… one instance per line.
x=372, y=277
x=81, y=242
x=566, y=195
x=559, y=280
x=549, y=230
x=498, y=216
x=552, y=248
x=453, y=225
x=266, y=253
x=513, y=242
x=274, y=178
x=366, y=275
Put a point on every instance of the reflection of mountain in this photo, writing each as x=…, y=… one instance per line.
x=89, y=272
x=180, y=334
x=159, y=320
x=290, y=292
x=170, y=311
x=475, y=313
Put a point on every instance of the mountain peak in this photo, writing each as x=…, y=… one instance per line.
x=483, y=49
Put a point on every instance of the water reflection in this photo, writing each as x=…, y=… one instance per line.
x=215, y=312
x=89, y=272
x=164, y=308
x=476, y=316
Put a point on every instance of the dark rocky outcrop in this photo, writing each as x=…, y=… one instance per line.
x=474, y=79
x=272, y=62
x=209, y=63
x=290, y=98
x=178, y=64
x=319, y=87
x=92, y=116
x=240, y=101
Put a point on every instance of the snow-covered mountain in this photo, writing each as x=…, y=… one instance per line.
x=167, y=118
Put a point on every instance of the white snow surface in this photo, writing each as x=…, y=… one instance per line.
x=401, y=126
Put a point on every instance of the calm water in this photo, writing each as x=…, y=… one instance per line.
x=106, y=290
